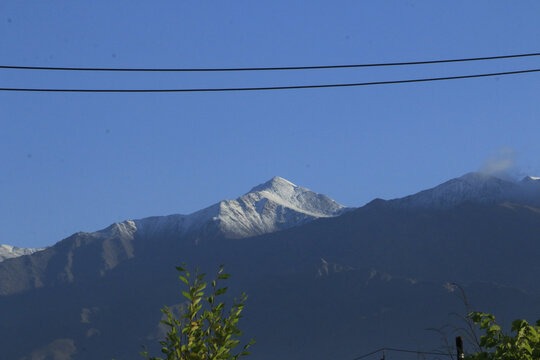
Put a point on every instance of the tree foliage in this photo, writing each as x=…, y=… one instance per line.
x=206, y=329
x=496, y=345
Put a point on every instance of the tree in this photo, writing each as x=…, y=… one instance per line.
x=496, y=345
x=205, y=330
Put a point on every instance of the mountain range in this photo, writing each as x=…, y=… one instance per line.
x=324, y=280
x=9, y=251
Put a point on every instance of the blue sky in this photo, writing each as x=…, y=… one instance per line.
x=78, y=162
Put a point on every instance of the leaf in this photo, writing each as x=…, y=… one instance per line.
x=187, y=295
x=494, y=328
x=221, y=291
x=204, y=331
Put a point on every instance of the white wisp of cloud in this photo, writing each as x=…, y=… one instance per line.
x=503, y=164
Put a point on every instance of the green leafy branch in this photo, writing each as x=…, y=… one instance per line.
x=524, y=345
x=205, y=330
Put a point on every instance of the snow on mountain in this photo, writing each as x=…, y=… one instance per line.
x=8, y=251
x=474, y=187
x=275, y=205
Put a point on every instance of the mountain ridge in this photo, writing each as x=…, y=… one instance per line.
x=278, y=204
x=475, y=187
x=274, y=205
x=364, y=270
x=269, y=207
x=9, y=251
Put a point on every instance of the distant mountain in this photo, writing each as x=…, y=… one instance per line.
x=272, y=206
x=324, y=281
x=275, y=205
x=8, y=251
x=475, y=188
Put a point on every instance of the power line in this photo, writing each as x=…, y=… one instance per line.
x=418, y=352
x=292, y=87
x=402, y=350
x=16, y=67
x=368, y=354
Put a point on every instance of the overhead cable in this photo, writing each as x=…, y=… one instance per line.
x=291, y=87
x=315, y=67
x=402, y=350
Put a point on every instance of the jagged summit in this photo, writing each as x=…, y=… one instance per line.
x=275, y=184
x=287, y=194
x=275, y=205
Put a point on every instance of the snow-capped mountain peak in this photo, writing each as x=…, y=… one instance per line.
x=285, y=193
x=276, y=184
x=9, y=251
x=475, y=187
x=472, y=187
x=275, y=205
